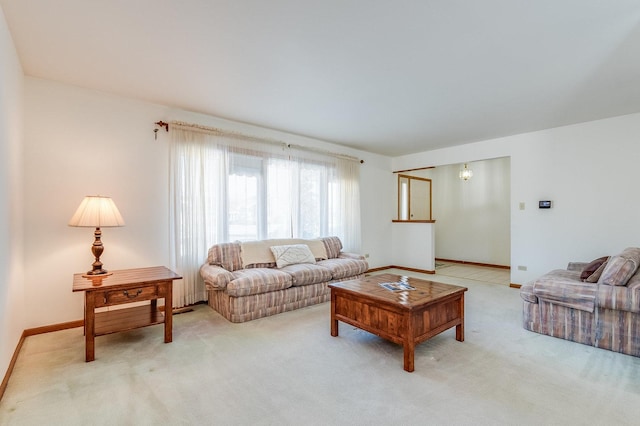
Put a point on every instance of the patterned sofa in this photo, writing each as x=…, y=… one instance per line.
x=595, y=303
x=246, y=281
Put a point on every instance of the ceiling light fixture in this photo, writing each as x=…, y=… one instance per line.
x=466, y=173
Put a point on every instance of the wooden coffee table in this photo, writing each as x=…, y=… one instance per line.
x=406, y=317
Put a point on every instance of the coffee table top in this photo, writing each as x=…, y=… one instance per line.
x=425, y=292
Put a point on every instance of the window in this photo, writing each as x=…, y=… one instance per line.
x=245, y=203
x=277, y=198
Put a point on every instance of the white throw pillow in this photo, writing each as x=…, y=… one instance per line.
x=292, y=254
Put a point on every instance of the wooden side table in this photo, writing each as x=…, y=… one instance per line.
x=124, y=287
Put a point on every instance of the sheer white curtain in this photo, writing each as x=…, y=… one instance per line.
x=226, y=188
x=326, y=200
x=347, y=205
x=198, y=211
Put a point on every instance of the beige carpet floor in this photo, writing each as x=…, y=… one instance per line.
x=288, y=370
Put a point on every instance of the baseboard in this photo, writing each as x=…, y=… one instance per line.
x=14, y=358
x=464, y=262
x=382, y=268
x=53, y=327
x=421, y=271
x=404, y=268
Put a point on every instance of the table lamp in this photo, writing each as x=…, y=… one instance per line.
x=97, y=211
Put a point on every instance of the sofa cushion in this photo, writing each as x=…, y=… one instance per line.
x=634, y=281
x=343, y=268
x=592, y=266
x=621, y=267
x=257, y=280
x=306, y=273
x=619, y=298
x=292, y=254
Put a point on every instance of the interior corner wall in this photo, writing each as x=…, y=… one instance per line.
x=586, y=170
x=83, y=142
x=12, y=305
x=472, y=217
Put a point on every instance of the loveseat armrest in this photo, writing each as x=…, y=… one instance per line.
x=576, y=266
x=215, y=277
x=346, y=255
x=561, y=290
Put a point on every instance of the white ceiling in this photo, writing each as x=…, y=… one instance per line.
x=391, y=77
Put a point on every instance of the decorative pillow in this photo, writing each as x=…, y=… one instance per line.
x=618, y=271
x=592, y=267
x=333, y=246
x=292, y=255
x=593, y=278
x=226, y=255
x=632, y=253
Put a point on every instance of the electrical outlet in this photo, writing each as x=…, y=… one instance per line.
x=366, y=255
x=522, y=268
x=521, y=206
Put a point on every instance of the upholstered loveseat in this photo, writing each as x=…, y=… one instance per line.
x=596, y=303
x=250, y=280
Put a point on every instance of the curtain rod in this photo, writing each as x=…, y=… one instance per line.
x=234, y=134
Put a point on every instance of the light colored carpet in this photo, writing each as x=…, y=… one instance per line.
x=288, y=370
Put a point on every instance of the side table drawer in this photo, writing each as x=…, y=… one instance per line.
x=131, y=295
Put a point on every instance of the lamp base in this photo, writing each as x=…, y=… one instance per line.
x=97, y=271
x=92, y=274
x=97, y=248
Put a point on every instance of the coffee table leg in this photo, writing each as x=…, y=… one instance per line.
x=409, y=352
x=334, y=321
x=409, y=342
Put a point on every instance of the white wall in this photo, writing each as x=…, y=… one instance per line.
x=12, y=304
x=376, y=210
x=585, y=169
x=413, y=245
x=80, y=142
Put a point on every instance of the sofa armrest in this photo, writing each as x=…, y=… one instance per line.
x=345, y=255
x=215, y=277
x=576, y=266
x=565, y=291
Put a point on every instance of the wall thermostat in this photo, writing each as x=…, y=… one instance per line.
x=544, y=204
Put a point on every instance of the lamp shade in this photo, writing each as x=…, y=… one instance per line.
x=97, y=212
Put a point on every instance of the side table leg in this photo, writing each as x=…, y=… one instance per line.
x=168, y=313
x=89, y=326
